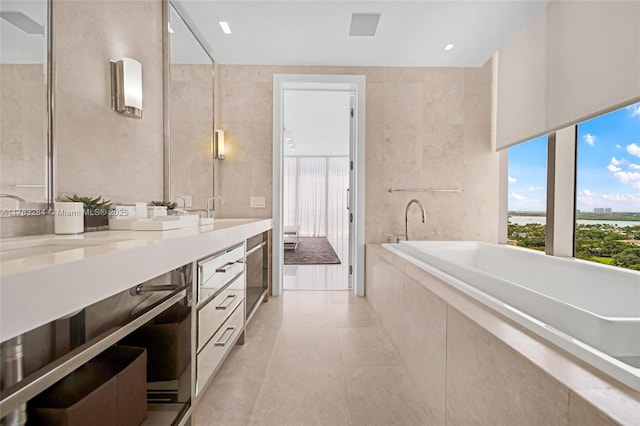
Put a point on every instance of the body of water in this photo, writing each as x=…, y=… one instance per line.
x=524, y=220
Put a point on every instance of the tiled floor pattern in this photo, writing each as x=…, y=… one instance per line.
x=312, y=358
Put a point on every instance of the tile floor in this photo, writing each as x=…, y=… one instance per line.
x=312, y=358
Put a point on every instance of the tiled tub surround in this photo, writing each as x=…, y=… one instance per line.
x=588, y=309
x=471, y=365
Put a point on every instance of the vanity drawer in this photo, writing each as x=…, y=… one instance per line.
x=216, y=271
x=215, y=350
x=213, y=314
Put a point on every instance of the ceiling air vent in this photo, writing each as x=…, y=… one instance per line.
x=364, y=24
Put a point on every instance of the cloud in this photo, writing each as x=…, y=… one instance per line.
x=512, y=179
x=590, y=139
x=615, y=161
x=618, y=146
x=518, y=197
x=630, y=178
x=633, y=149
x=586, y=200
x=535, y=188
x=613, y=168
x=634, y=166
x=634, y=110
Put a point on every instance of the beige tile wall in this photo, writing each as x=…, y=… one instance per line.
x=23, y=134
x=192, y=132
x=101, y=152
x=425, y=127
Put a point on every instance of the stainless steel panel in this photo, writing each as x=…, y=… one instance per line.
x=212, y=315
x=216, y=271
x=209, y=359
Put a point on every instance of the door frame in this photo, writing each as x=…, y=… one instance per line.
x=357, y=84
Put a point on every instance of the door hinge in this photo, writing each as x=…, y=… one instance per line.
x=351, y=165
x=350, y=269
x=353, y=113
x=351, y=217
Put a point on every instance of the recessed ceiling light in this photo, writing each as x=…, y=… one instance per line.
x=225, y=27
x=364, y=24
x=170, y=29
x=23, y=22
x=448, y=47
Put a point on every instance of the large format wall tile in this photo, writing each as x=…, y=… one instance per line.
x=489, y=384
x=192, y=132
x=422, y=345
x=425, y=127
x=415, y=321
x=580, y=414
x=101, y=152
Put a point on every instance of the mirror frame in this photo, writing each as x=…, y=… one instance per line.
x=45, y=207
x=51, y=154
x=166, y=87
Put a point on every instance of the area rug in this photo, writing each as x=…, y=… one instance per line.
x=312, y=251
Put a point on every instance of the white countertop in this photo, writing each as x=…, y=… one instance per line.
x=41, y=288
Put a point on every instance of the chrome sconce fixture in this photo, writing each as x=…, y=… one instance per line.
x=126, y=87
x=218, y=145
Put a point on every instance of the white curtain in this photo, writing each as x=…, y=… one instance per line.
x=315, y=195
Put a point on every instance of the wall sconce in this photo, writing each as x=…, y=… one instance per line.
x=126, y=87
x=218, y=145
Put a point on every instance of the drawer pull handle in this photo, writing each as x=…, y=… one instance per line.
x=224, y=305
x=221, y=342
x=226, y=267
x=142, y=288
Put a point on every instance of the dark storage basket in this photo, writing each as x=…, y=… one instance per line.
x=167, y=339
x=108, y=390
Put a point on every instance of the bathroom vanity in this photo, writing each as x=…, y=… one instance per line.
x=180, y=298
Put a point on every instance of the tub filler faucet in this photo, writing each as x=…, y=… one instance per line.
x=406, y=219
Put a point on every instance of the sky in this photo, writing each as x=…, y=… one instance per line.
x=608, y=168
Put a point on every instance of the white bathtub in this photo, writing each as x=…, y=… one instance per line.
x=588, y=309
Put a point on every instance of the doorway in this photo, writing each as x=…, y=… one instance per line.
x=318, y=179
x=317, y=132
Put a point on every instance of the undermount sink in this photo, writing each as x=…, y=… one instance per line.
x=33, y=247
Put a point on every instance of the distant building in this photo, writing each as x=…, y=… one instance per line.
x=602, y=210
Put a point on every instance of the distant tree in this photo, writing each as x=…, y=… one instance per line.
x=628, y=258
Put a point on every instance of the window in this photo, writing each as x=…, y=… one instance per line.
x=608, y=189
x=527, y=194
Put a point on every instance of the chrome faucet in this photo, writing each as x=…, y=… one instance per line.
x=406, y=220
x=211, y=202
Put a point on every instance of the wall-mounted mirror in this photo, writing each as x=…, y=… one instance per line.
x=25, y=157
x=191, y=115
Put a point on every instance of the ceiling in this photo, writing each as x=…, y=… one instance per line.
x=410, y=33
x=316, y=122
x=16, y=45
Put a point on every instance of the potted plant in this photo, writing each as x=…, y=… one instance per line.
x=96, y=212
x=168, y=204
